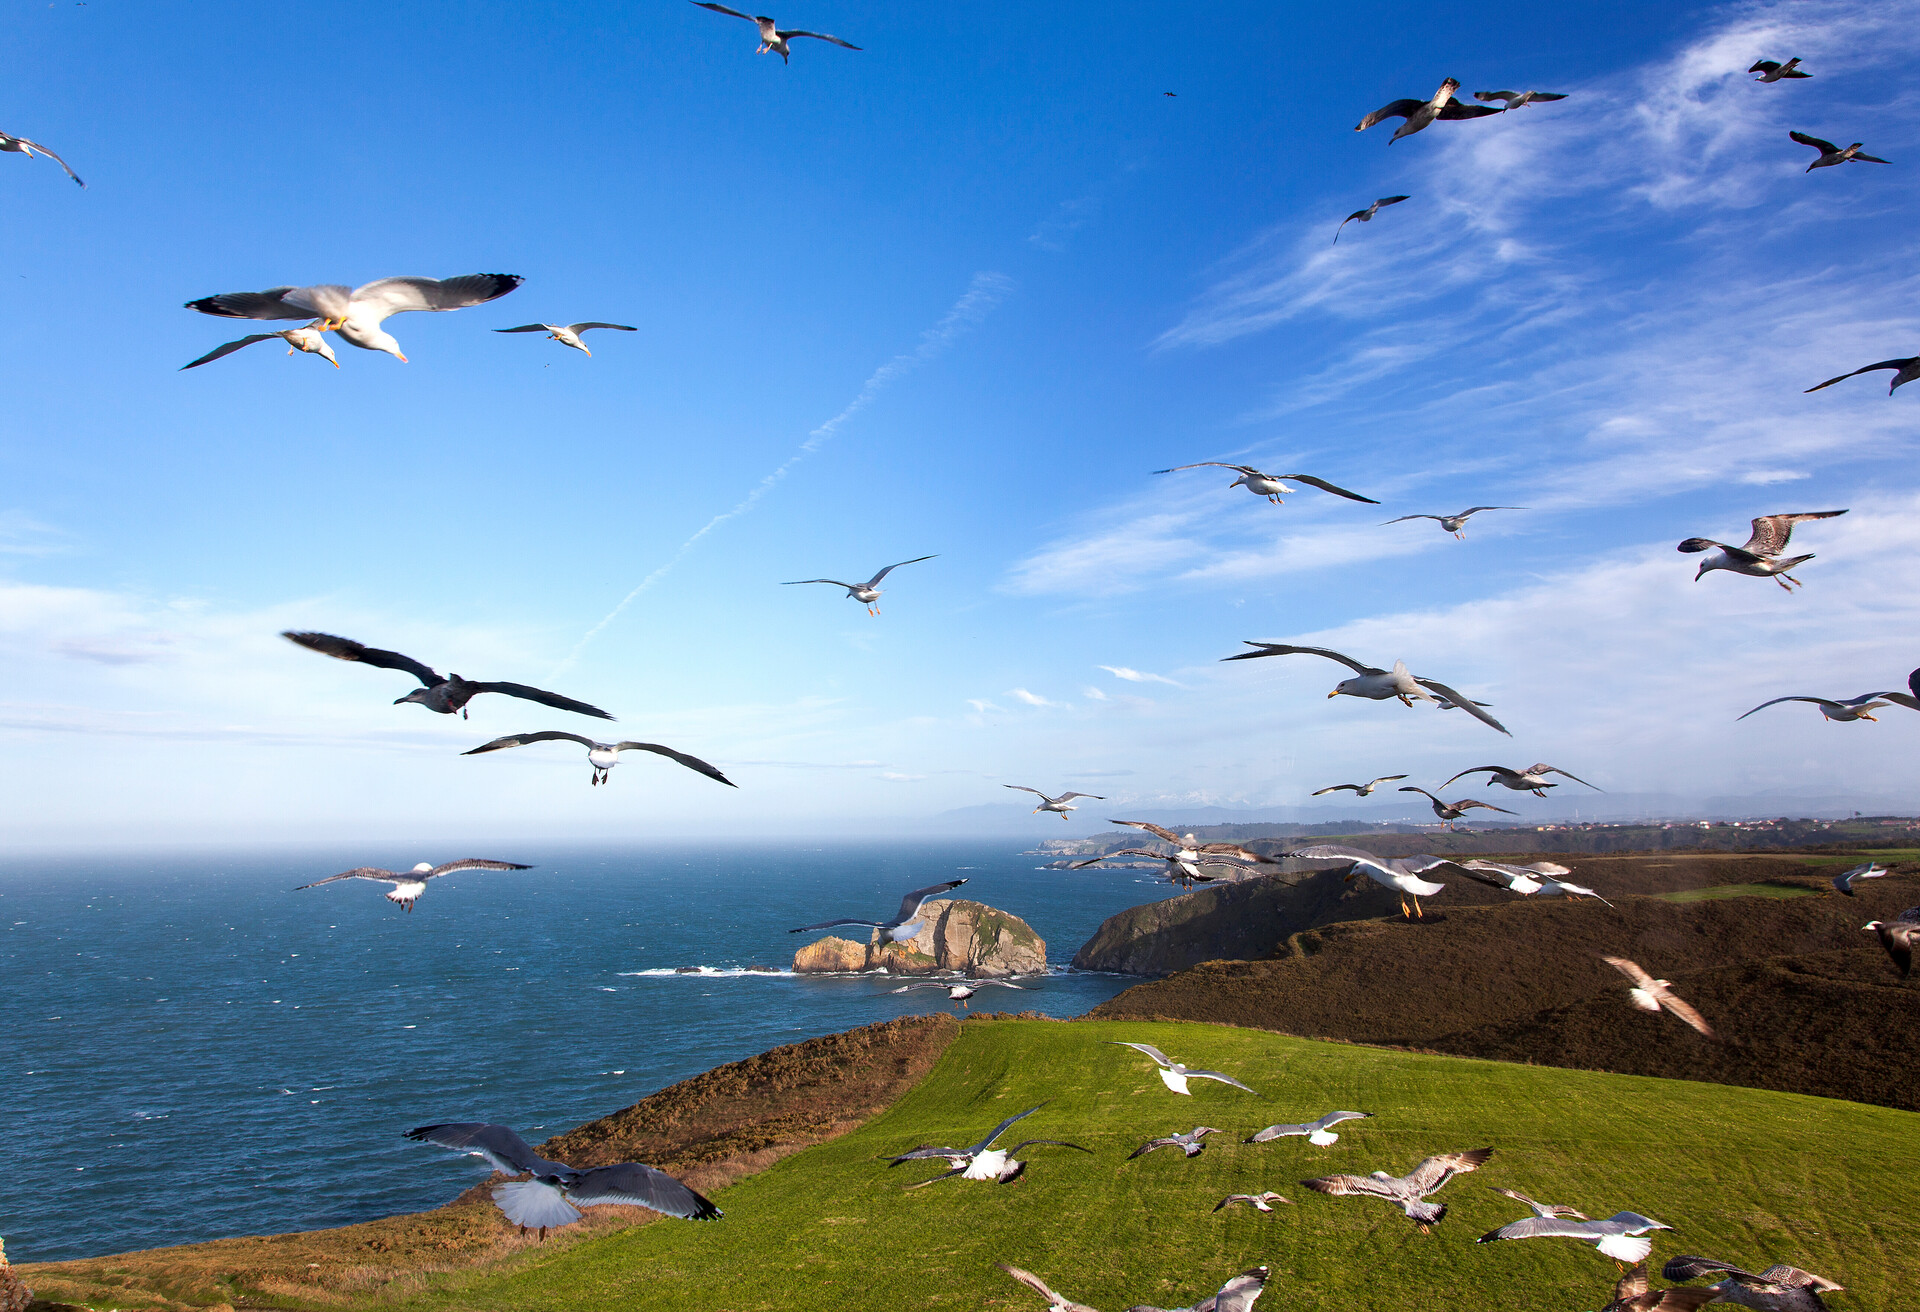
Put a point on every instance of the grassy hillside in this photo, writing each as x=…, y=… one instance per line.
x=1746, y=1175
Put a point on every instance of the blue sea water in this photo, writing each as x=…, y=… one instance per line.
x=188, y=1049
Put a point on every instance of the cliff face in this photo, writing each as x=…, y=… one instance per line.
x=14, y=1296
x=955, y=935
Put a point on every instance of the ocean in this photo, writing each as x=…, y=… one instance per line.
x=192, y=1050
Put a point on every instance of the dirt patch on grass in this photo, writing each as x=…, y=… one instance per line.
x=710, y=1131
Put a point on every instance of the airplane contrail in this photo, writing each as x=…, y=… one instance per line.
x=983, y=293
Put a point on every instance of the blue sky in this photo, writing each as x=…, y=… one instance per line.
x=958, y=294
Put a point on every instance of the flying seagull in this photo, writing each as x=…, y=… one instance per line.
x=904, y=925
x=1898, y=937
x=957, y=990
x=444, y=694
x=1408, y=1192
x=1622, y=1236
x=771, y=38
x=1542, y=877
x=1631, y=1293
x=1419, y=113
x=1452, y=811
x=1178, y=871
x=1904, y=371
x=1188, y=1143
x=1400, y=873
x=408, y=887
x=1374, y=683
x=1055, y=1302
x=867, y=593
x=1533, y=779
x=1780, y=1288
x=1058, y=805
x=1271, y=486
x=1452, y=523
x=1516, y=99
x=1771, y=70
x=1871, y=870
x=1319, y=1133
x=356, y=313
x=1550, y=1211
x=1186, y=850
x=603, y=756
x=1843, y=710
x=1650, y=994
x=1831, y=154
x=1760, y=558
x=1359, y=790
x=1175, y=1074
x=556, y=1191
x=1259, y=1202
x=1237, y=1295
x=297, y=339
x=567, y=334
x=22, y=146
x=982, y=1161
x=1366, y=216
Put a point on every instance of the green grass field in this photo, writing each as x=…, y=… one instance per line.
x=1744, y=1175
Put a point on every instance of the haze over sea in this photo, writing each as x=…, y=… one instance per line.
x=193, y=1050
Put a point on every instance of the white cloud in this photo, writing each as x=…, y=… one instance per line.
x=1031, y=698
x=1136, y=676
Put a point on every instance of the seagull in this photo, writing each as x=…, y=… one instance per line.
x=1453, y=523
x=982, y=1161
x=1058, y=805
x=1259, y=1202
x=549, y=1197
x=958, y=990
x=1184, y=873
x=22, y=146
x=567, y=334
x=1898, y=937
x=356, y=313
x=1318, y=1132
x=1452, y=811
x=866, y=593
x=904, y=925
x=1359, y=790
x=1780, y=1288
x=437, y=693
x=1188, y=851
x=1237, y=1295
x=1631, y=1294
x=1871, y=870
x=1409, y=1191
x=1831, y=154
x=1055, y=1302
x=408, y=887
x=1771, y=70
x=1400, y=873
x=771, y=38
x=1374, y=683
x=1842, y=711
x=1530, y=780
x=1548, y=1210
x=1550, y=887
x=603, y=756
x=1904, y=372
x=1650, y=994
x=1188, y=1143
x=1760, y=558
x=1540, y=877
x=1537, y=872
x=1272, y=486
x=1515, y=99
x=1419, y=113
x=1175, y=1074
x=1366, y=216
x=1622, y=1236
x=306, y=339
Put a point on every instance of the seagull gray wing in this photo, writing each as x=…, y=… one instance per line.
x=1759, y=66
x=504, y=1150
x=1503, y=95
x=1817, y=701
x=875, y=580
x=927, y=1152
x=1068, y=797
x=36, y=146
x=1695, y=545
x=525, y=328
x=1341, y=1186
x=910, y=904
x=817, y=36
x=693, y=763
x=542, y=696
x=1824, y=147
x=1404, y=518
x=1392, y=109
x=1871, y=159
x=1554, y=769
x=722, y=9
x=522, y=739
x=1632, y=970
x=1680, y=1007
x=836, y=583
x=1466, y=704
x=1239, y=1293
x=1427, y=1177
x=1864, y=369
x=257, y=305
x=1039, y=1286
x=1288, y=649
x=1453, y=109
x=1474, y=510
x=346, y=649
x=1332, y=1119
x=1022, y=788
x=617, y=327
x=1685, y=1267
x=229, y=348
x=389, y=296
x=1333, y=852
x=1237, y=852
x=1536, y=1227
x=472, y=863
x=1164, y=835
x=1772, y=532
x=1322, y=483
x=1273, y=1132
x=1334, y=788
x=1001, y=1129
x=1908, y=700
x=1216, y=1075
x=358, y=872
x=1496, y=770
x=1147, y=1048
x=1206, y=464
x=639, y=1185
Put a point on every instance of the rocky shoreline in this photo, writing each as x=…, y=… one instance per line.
x=957, y=936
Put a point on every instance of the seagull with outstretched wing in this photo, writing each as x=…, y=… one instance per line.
x=603, y=756
x=1376, y=684
x=1650, y=994
x=1058, y=805
x=1843, y=883
x=1319, y=1133
x=1408, y=1192
x=1622, y=1236
x=1366, y=216
x=1055, y=1302
x=868, y=593
x=408, y=887
x=567, y=334
x=1772, y=70
x=1175, y=1074
x=356, y=313
x=306, y=339
x=1358, y=790
x=1905, y=370
x=1271, y=486
x=1780, y=1288
x=1419, y=113
x=22, y=146
x=1189, y=1142
x=1831, y=154
x=982, y=1161
x=1399, y=873
x=1451, y=812
x=1841, y=710
x=1533, y=779
x=771, y=37
x=1454, y=524
x=1898, y=938
x=1760, y=557
x=906, y=922
x=1632, y=1293
x=1518, y=99
x=444, y=694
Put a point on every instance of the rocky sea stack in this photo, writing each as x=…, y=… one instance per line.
x=955, y=935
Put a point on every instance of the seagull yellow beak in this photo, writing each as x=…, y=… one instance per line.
x=1334, y=693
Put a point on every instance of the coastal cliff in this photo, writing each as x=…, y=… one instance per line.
x=955, y=935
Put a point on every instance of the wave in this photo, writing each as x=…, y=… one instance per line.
x=765, y=972
x=715, y=972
